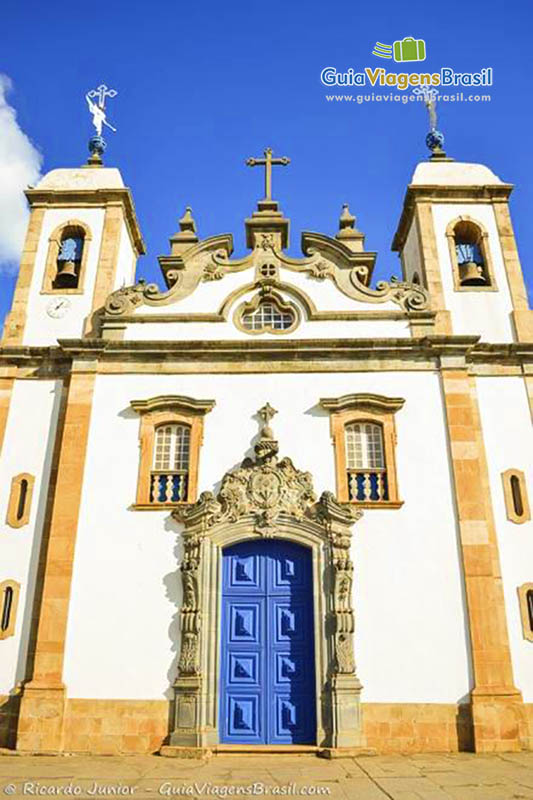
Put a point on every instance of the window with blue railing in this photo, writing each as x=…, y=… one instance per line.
x=170, y=472
x=365, y=462
x=364, y=437
x=171, y=435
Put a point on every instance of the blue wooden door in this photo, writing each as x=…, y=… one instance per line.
x=267, y=675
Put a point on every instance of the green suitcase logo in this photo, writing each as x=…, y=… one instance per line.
x=410, y=49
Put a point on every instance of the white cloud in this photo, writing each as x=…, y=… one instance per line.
x=20, y=165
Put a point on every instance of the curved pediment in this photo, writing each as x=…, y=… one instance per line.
x=326, y=284
x=327, y=260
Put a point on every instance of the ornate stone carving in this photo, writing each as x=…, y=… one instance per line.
x=127, y=298
x=212, y=272
x=321, y=270
x=265, y=488
x=267, y=496
x=409, y=296
x=189, y=663
x=325, y=258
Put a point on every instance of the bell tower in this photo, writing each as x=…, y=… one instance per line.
x=82, y=243
x=455, y=237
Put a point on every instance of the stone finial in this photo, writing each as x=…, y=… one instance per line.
x=348, y=233
x=267, y=447
x=97, y=146
x=346, y=220
x=186, y=235
x=187, y=222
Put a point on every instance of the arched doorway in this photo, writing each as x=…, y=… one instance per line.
x=267, y=650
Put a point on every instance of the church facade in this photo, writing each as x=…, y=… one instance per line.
x=270, y=505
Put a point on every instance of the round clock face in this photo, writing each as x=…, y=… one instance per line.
x=58, y=307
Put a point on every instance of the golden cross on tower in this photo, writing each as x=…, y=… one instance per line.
x=268, y=162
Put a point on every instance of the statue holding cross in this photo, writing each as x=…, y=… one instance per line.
x=98, y=109
x=268, y=162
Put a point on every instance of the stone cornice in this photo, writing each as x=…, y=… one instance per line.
x=419, y=193
x=173, y=402
x=76, y=198
x=425, y=352
x=362, y=402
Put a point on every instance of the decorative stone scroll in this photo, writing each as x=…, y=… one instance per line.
x=124, y=300
x=268, y=497
x=325, y=258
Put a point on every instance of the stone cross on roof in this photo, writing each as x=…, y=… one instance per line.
x=268, y=162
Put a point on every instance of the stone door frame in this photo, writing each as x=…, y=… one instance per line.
x=267, y=498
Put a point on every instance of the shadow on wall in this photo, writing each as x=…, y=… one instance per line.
x=9, y=713
x=34, y=581
x=174, y=593
x=249, y=453
x=465, y=728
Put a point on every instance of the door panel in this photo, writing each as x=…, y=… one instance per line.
x=267, y=682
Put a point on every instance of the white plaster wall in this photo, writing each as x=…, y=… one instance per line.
x=127, y=260
x=315, y=329
x=41, y=329
x=508, y=435
x=123, y=630
x=472, y=312
x=217, y=331
x=28, y=447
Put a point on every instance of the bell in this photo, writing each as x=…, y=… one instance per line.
x=471, y=274
x=67, y=277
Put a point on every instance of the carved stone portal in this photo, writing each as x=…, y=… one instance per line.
x=267, y=497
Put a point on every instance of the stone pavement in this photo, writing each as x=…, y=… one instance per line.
x=418, y=777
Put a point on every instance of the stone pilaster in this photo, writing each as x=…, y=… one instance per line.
x=522, y=315
x=495, y=700
x=16, y=319
x=528, y=380
x=107, y=260
x=432, y=270
x=6, y=389
x=42, y=710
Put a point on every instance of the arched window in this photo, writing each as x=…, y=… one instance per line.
x=268, y=315
x=363, y=429
x=470, y=255
x=9, y=595
x=365, y=462
x=170, y=471
x=267, y=312
x=171, y=435
x=69, y=258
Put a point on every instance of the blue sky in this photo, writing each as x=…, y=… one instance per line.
x=203, y=86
